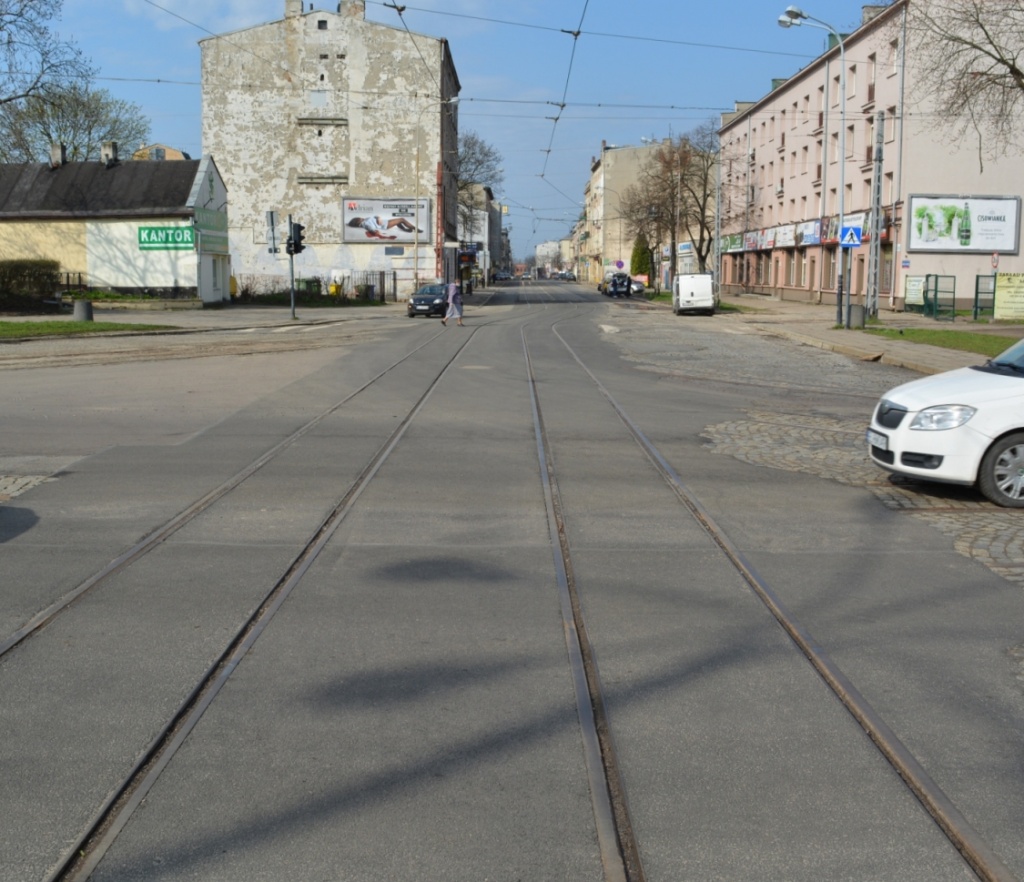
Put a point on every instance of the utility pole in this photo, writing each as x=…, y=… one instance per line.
x=877, y=220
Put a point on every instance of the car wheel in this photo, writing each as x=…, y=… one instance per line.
x=1001, y=476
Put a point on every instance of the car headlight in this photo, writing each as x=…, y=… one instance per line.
x=944, y=416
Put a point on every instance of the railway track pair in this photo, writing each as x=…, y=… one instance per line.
x=621, y=853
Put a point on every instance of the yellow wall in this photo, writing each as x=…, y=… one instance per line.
x=63, y=241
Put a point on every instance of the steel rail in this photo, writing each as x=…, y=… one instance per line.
x=154, y=538
x=85, y=854
x=620, y=855
x=972, y=847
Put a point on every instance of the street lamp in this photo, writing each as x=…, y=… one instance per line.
x=416, y=236
x=796, y=16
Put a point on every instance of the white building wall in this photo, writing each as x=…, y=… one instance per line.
x=115, y=258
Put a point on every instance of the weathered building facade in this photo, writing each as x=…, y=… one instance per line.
x=348, y=126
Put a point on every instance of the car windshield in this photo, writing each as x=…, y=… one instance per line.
x=430, y=291
x=1012, y=359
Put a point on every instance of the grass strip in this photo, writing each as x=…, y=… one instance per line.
x=965, y=341
x=64, y=328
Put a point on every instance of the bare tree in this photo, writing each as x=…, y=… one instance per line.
x=79, y=117
x=675, y=194
x=479, y=167
x=968, y=59
x=35, y=60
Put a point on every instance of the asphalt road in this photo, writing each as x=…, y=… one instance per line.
x=409, y=714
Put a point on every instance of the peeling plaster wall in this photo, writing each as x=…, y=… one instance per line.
x=303, y=112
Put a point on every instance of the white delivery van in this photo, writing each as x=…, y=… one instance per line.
x=694, y=292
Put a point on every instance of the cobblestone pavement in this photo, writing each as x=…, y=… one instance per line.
x=835, y=449
x=733, y=349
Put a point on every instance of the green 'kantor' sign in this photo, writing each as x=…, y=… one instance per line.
x=166, y=239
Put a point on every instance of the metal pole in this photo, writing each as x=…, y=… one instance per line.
x=291, y=267
x=877, y=219
x=842, y=179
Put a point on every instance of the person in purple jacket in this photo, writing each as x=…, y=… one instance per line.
x=454, y=304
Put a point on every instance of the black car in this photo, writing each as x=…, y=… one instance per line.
x=429, y=300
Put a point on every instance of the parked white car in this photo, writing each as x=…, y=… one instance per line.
x=694, y=292
x=962, y=427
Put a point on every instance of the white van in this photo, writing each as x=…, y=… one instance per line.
x=694, y=292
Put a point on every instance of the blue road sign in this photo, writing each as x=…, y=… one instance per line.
x=849, y=237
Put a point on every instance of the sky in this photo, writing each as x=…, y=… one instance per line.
x=641, y=69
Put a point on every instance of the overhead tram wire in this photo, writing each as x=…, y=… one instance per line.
x=617, y=36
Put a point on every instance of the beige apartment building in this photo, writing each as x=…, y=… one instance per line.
x=942, y=216
x=350, y=127
x=603, y=239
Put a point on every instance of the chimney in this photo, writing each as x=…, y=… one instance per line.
x=867, y=13
x=58, y=155
x=292, y=8
x=108, y=153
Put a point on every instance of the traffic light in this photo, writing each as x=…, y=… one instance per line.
x=295, y=239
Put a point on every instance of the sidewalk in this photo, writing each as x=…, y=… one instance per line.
x=815, y=325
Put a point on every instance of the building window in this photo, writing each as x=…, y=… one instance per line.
x=321, y=24
x=894, y=57
x=890, y=124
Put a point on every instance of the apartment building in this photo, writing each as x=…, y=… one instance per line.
x=853, y=133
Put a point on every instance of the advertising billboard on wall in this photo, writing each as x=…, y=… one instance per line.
x=387, y=220
x=958, y=224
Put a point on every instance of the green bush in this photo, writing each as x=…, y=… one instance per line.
x=32, y=278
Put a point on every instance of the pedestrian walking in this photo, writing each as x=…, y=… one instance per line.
x=454, y=305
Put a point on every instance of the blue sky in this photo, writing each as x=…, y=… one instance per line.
x=650, y=69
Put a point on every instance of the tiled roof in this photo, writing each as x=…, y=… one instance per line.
x=93, y=189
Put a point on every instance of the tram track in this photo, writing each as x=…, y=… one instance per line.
x=158, y=535
x=89, y=848
x=943, y=811
x=620, y=850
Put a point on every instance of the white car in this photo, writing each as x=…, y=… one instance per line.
x=961, y=427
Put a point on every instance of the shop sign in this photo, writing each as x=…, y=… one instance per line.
x=166, y=239
x=1009, y=297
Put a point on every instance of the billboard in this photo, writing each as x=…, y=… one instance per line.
x=969, y=225
x=385, y=220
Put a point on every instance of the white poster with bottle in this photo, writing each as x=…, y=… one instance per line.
x=970, y=224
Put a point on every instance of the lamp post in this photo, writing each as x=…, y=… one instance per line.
x=416, y=235
x=796, y=16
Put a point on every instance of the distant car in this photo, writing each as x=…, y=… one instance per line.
x=569, y=276
x=429, y=300
x=960, y=427
x=637, y=287
x=619, y=285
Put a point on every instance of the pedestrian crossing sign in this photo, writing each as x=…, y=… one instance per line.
x=849, y=237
